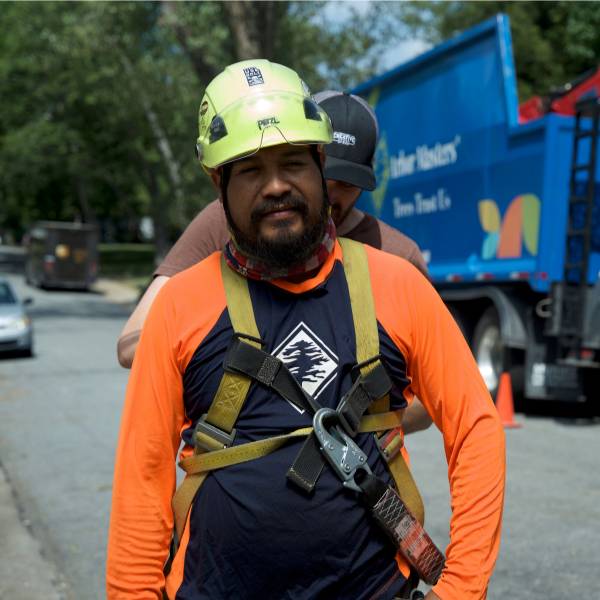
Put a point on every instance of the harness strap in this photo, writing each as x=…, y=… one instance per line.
x=215, y=431
x=244, y=358
x=367, y=346
x=356, y=269
x=309, y=462
x=233, y=388
x=197, y=466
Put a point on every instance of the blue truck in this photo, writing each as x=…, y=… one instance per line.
x=506, y=213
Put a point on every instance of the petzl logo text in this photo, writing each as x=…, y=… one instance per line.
x=309, y=360
x=264, y=123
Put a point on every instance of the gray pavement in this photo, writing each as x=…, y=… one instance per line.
x=59, y=415
x=24, y=571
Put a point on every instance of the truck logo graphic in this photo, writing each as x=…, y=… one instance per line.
x=381, y=167
x=519, y=226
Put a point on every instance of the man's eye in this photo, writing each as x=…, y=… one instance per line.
x=247, y=170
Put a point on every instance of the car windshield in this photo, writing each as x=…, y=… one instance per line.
x=6, y=294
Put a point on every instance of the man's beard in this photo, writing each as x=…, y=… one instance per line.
x=286, y=249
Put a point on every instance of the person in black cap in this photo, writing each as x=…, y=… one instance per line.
x=348, y=171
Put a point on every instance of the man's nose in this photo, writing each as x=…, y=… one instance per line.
x=275, y=184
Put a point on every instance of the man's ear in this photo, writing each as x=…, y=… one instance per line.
x=215, y=177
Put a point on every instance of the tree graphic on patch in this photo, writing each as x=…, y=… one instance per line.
x=303, y=359
x=308, y=358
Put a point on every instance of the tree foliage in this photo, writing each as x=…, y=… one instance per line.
x=99, y=99
x=554, y=42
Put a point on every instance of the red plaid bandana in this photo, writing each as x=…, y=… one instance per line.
x=253, y=268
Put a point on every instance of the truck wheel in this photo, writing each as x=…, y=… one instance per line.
x=488, y=349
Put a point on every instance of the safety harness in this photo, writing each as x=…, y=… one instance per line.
x=330, y=438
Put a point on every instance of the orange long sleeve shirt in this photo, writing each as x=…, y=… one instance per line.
x=174, y=376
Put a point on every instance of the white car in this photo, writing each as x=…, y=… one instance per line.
x=16, y=332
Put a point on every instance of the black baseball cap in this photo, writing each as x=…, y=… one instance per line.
x=355, y=133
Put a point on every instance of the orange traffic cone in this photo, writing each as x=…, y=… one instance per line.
x=504, y=402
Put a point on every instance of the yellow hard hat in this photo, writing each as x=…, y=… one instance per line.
x=255, y=104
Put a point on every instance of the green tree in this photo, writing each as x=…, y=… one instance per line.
x=554, y=42
x=99, y=100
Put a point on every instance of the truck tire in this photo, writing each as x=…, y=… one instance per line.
x=488, y=349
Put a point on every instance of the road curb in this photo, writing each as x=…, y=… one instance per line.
x=116, y=291
x=24, y=573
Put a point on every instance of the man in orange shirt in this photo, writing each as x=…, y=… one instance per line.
x=348, y=171
x=246, y=532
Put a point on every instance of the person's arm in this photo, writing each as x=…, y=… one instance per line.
x=141, y=521
x=446, y=379
x=130, y=336
x=416, y=418
x=206, y=234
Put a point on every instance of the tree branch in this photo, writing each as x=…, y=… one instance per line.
x=203, y=69
x=242, y=24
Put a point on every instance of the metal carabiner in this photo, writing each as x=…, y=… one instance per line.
x=344, y=456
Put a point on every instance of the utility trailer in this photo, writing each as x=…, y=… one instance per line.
x=61, y=255
x=507, y=214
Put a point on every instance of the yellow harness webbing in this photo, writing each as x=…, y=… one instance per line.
x=356, y=269
x=233, y=390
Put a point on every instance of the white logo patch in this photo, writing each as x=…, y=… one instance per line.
x=308, y=358
x=346, y=139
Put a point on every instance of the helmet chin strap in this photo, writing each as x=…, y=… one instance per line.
x=224, y=183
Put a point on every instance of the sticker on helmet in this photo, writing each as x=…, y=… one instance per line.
x=264, y=123
x=203, y=108
x=253, y=76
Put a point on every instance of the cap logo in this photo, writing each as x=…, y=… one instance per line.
x=253, y=76
x=345, y=139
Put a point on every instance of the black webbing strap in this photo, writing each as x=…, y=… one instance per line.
x=267, y=370
x=244, y=358
x=308, y=465
x=368, y=387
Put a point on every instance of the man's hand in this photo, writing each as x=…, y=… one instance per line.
x=431, y=596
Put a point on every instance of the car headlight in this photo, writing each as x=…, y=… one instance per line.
x=20, y=323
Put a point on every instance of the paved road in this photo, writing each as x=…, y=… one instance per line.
x=59, y=414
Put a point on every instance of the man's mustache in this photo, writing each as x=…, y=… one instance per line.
x=288, y=202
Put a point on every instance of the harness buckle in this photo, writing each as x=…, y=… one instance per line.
x=245, y=336
x=344, y=456
x=356, y=369
x=390, y=443
x=209, y=438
